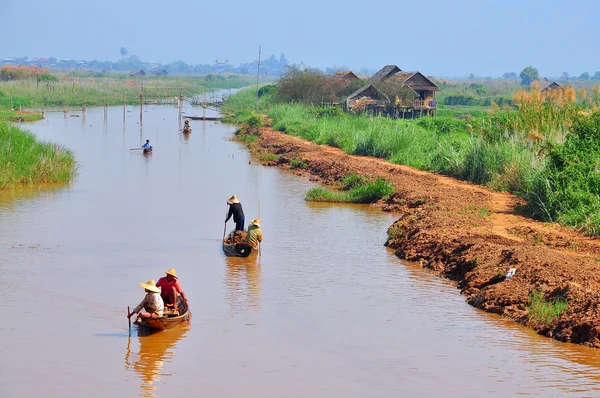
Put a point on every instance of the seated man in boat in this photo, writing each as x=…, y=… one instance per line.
x=170, y=289
x=255, y=235
x=186, y=126
x=147, y=146
x=235, y=210
x=152, y=303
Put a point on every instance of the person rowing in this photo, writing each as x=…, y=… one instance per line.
x=152, y=302
x=147, y=147
x=235, y=210
x=186, y=126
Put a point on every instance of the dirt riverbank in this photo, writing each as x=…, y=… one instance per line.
x=473, y=235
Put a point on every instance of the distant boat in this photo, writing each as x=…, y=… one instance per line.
x=147, y=151
x=209, y=118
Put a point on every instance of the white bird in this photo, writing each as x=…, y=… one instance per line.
x=510, y=273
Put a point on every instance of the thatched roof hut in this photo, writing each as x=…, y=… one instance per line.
x=553, y=86
x=137, y=72
x=384, y=73
x=346, y=75
x=367, y=95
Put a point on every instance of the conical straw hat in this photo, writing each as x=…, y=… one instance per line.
x=150, y=285
x=256, y=222
x=172, y=272
x=233, y=199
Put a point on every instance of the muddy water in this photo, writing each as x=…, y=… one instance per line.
x=326, y=311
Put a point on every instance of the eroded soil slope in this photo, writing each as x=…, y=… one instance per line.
x=472, y=235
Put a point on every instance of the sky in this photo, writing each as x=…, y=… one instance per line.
x=436, y=37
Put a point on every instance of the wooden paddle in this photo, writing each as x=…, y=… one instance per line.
x=259, y=253
x=225, y=226
x=129, y=318
x=136, y=149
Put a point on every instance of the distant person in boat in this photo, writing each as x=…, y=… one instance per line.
x=255, y=235
x=170, y=289
x=147, y=146
x=235, y=210
x=152, y=303
x=186, y=126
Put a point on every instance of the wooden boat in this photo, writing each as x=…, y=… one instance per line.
x=147, y=151
x=187, y=131
x=240, y=249
x=208, y=118
x=169, y=320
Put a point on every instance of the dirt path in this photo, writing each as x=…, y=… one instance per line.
x=472, y=235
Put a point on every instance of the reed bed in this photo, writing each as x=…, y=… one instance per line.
x=25, y=160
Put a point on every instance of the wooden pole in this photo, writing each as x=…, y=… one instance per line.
x=128, y=318
x=141, y=101
x=257, y=78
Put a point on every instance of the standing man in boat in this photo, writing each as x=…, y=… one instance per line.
x=147, y=146
x=152, y=303
x=170, y=289
x=255, y=235
x=235, y=210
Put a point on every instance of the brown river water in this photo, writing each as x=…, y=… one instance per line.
x=326, y=311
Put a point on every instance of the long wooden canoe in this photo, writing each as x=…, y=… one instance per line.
x=167, y=321
x=236, y=249
x=147, y=150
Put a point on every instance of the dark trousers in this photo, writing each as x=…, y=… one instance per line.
x=239, y=225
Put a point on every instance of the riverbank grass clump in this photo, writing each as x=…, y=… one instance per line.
x=355, y=189
x=541, y=311
x=25, y=160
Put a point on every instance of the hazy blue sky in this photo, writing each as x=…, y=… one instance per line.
x=437, y=37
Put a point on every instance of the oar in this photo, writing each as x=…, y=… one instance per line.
x=136, y=149
x=259, y=253
x=129, y=318
x=225, y=226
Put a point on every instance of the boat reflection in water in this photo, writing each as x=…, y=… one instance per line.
x=243, y=283
x=156, y=347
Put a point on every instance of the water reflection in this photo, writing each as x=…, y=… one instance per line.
x=155, y=349
x=243, y=283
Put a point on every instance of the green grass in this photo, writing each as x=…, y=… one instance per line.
x=545, y=311
x=545, y=153
x=25, y=160
x=297, y=164
x=90, y=91
x=267, y=157
x=247, y=138
x=367, y=192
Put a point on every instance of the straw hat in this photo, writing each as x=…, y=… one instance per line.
x=150, y=285
x=256, y=222
x=233, y=199
x=172, y=272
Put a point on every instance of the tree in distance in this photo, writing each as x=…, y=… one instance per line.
x=123, y=51
x=528, y=75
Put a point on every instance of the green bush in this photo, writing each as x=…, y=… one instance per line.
x=544, y=311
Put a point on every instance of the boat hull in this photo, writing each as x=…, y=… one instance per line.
x=166, y=322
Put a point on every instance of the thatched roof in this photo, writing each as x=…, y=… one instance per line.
x=137, y=72
x=384, y=73
x=553, y=86
x=347, y=75
x=416, y=81
x=368, y=91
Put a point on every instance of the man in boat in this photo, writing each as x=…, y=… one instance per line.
x=152, y=303
x=235, y=210
x=186, y=126
x=170, y=289
x=255, y=235
x=147, y=146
